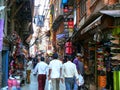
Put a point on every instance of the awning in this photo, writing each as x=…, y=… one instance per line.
x=113, y=13
x=59, y=36
x=95, y=23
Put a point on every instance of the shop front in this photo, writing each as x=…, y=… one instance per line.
x=17, y=58
x=95, y=38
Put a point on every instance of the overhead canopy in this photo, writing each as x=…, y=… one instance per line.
x=59, y=36
x=113, y=13
x=96, y=22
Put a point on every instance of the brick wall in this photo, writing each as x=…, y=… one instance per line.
x=78, y=12
x=88, y=7
x=112, y=1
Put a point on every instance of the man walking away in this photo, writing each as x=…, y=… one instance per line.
x=55, y=69
x=41, y=69
x=80, y=68
x=68, y=72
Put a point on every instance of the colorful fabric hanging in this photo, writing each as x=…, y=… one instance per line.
x=1, y=33
x=64, y=1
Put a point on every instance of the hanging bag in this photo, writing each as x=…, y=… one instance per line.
x=49, y=85
x=81, y=80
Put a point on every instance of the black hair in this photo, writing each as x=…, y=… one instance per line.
x=42, y=58
x=69, y=57
x=55, y=56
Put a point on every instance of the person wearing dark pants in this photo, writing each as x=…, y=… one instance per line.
x=41, y=81
x=41, y=69
x=80, y=68
x=109, y=80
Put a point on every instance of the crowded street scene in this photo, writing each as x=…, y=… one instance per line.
x=59, y=44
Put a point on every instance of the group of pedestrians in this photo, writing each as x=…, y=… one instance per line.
x=57, y=71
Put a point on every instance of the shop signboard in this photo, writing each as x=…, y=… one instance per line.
x=68, y=19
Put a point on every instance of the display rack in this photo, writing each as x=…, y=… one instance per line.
x=100, y=65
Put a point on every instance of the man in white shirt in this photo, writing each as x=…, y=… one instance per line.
x=69, y=71
x=28, y=69
x=55, y=69
x=41, y=69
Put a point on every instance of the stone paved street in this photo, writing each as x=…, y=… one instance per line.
x=34, y=86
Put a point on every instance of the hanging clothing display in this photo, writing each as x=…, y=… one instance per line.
x=1, y=33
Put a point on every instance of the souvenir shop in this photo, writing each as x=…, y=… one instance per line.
x=17, y=58
x=105, y=35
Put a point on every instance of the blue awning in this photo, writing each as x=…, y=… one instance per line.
x=59, y=36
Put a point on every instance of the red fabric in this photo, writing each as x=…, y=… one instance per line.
x=69, y=50
x=41, y=81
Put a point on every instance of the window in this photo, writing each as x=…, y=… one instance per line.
x=82, y=8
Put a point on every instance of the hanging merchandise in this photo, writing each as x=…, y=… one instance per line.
x=100, y=66
x=1, y=33
x=64, y=1
x=70, y=22
x=68, y=49
x=102, y=81
x=98, y=36
x=116, y=31
x=115, y=49
x=70, y=8
x=68, y=19
x=116, y=76
x=68, y=44
x=65, y=9
x=100, y=59
x=2, y=8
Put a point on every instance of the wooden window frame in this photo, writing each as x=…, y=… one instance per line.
x=82, y=8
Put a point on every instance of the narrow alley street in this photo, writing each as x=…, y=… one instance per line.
x=57, y=35
x=34, y=85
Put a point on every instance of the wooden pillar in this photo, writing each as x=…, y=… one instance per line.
x=12, y=23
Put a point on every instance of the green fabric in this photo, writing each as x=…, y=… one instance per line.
x=116, y=76
x=116, y=31
x=118, y=80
